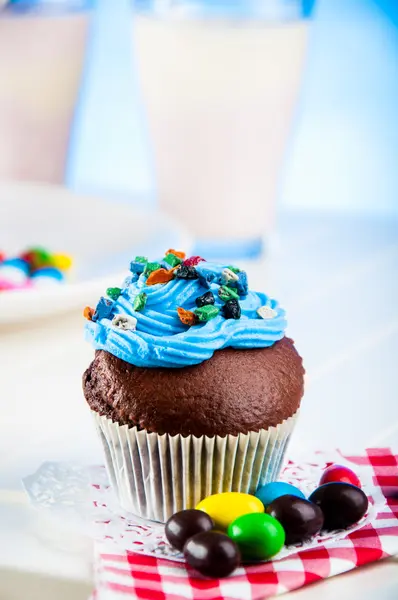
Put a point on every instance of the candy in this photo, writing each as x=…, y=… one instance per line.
x=234, y=269
x=193, y=261
x=172, y=260
x=37, y=258
x=62, y=261
x=103, y=310
x=187, y=317
x=184, y=272
x=242, y=285
x=211, y=553
x=300, y=518
x=125, y=322
x=185, y=524
x=226, y=293
x=14, y=271
x=47, y=276
x=206, y=276
x=266, y=312
x=231, y=309
x=150, y=267
x=228, y=275
x=339, y=473
x=342, y=504
x=258, y=536
x=113, y=292
x=138, y=264
x=88, y=313
x=2, y=256
x=205, y=299
x=160, y=276
x=226, y=507
x=270, y=491
x=206, y=313
x=177, y=253
x=139, y=301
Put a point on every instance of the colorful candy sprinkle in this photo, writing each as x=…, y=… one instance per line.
x=113, y=292
x=103, y=310
x=231, y=309
x=172, y=260
x=226, y=293
x=150, y=267
x=266, y=312
x=227, y=275
x=88, y=313
x=184, y=272
x=193, y=261
x=160, y=276
x=206, y=313
x=139, y=301
x=138, y=264
x=187, y=317
x=177, y=253
x=205, y=299
x=125, y=322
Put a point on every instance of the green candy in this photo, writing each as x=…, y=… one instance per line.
x=141, y=259
x=139, y=301
x=113, y=293
x=234, y=269
x=258, y=535
x=205, y=313
x=151, y=266
x=172, y=260
x=226, y=293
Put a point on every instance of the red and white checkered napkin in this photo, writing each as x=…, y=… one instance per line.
x=122, y=574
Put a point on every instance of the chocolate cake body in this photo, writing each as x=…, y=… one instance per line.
x=235, y=391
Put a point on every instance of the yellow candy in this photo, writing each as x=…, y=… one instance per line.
x=62, y=261
x=226, y=507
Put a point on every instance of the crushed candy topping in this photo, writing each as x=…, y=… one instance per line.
x=187, y=317
x=113, y=292
x=231, y=309
x=228, y=275
x=160, y=276
x=205, y=313
x=266, y=312
x=103, y=310
x=193, y=261
x=150, y=267
x=205, y=299
x=172, y=259
x=140, y=301
x=125, y=322
x=88, y=313
x=177, y=253
x=227, y=293
x=184, y=272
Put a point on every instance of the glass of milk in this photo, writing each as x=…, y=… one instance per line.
x=42, y=45
x=219, y=80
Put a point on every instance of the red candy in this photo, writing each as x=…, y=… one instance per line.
x=193, y=261
x=339, y=473
x=2, y=257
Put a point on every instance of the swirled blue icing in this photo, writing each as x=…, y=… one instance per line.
x=162, y=340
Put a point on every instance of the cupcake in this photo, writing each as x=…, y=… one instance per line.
x=194, y=387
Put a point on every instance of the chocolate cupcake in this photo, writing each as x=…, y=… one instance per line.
x=194, y=387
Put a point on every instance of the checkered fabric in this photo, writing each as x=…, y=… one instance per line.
x=121, y=574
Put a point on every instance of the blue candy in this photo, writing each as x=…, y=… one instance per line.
x=103, y=310
x=271, y=491
x=138, y=266
x=50, y=272
x=242, y=285
x=206, y=276
x=16, y=263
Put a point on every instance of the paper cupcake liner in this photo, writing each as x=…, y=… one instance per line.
x=155, y=475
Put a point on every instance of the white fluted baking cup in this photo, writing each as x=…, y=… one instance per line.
x=155, y=475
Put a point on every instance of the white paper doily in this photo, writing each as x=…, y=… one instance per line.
x=84, y=497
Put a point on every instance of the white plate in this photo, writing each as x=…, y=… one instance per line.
x=100, y=235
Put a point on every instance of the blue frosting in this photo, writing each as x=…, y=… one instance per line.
x=162, y=340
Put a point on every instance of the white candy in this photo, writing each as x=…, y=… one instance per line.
x=266, y=312
x=125, y=322
x=227, y=275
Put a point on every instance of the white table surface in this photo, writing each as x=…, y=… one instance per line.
x=336, y=276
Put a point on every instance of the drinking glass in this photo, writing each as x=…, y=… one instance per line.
x=219, y=81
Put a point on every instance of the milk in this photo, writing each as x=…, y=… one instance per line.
x=219, y=98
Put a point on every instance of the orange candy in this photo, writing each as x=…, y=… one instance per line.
x=160, y=276
x=88, y=313
x=177, y=253
x=186, y=316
